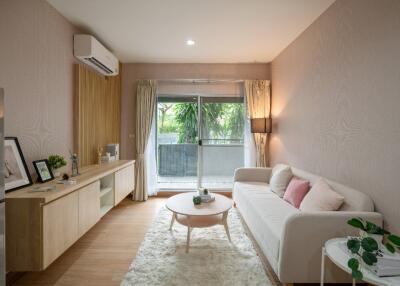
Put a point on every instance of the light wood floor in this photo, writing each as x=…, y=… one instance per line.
x=102, y=256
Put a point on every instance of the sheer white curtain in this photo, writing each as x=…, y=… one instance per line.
x=145, y=109
x=150, y=155
x=250, y=152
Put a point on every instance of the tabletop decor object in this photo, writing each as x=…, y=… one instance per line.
x=16, y=174
x=99, y=154
x=75, y=164
x=196, y=200
x=202, y=191
x=43, y=189
x=43, y=170
x=66, y=180
x=205, y=195
x=367, y=248
x=55, y=163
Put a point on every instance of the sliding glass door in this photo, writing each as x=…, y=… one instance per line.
x=221, y=148
x=199, y=141
x=177, y=142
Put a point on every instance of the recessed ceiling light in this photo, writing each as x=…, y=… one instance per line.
x=190, y=42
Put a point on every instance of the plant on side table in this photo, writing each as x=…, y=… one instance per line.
x=366, y=247
x=55, y=163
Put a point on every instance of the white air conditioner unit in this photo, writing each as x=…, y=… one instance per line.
x=91, y=52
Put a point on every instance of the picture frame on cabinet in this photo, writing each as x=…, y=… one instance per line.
x=43, y=170
x=16, y=173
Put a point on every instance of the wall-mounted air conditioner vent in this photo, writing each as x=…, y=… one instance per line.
x=91, y=52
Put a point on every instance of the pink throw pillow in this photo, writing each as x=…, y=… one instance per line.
x=296, y=191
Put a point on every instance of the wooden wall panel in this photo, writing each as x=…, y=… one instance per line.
x=97, y=108
x=113, y=108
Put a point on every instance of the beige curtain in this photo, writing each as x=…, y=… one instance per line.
x=258, y=106
x=145, y=108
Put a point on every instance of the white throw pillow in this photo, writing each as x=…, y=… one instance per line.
x=321, y=197
x=281, y=176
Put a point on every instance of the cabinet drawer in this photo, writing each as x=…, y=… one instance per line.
x=124, y=183
x=60, y=227
x=89, y=207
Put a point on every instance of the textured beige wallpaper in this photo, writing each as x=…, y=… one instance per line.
x=336, y=100
x=132, y=72
x=36, y=72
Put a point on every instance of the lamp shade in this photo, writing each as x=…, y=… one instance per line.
x=261, y=125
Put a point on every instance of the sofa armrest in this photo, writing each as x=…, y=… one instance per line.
x=302, y=239
x=252, y=174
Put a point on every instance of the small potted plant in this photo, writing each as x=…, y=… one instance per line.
x=366, y=247
x=55, y=163
x=196, y=200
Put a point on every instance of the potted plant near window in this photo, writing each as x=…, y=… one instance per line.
x=55, y=163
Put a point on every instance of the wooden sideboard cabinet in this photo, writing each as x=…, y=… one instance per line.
x=124, y=182
x=88, y=207
x=60, y=227
x=42, y=225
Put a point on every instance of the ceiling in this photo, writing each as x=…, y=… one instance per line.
x=225, y=31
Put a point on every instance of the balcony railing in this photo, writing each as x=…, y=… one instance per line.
x=180, y=160
x=177, y=160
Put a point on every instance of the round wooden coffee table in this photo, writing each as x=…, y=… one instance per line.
x=188, y=214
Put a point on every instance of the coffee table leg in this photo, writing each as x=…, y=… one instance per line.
x=225, y=223
x=172, y=220
x=189, y=230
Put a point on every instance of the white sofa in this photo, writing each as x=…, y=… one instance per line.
x=290, y=239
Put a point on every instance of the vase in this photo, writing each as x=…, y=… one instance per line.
x=56, y=173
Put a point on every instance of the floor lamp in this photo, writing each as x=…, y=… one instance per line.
x=261, y=127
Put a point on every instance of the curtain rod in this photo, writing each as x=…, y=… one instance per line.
x=200, y=80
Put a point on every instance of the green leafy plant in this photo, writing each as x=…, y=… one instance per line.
x=392, y=242
x=366, y=248
x=56, y=162
x=197, y=200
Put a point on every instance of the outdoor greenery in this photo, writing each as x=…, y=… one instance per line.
x=219, y=120
x=186, y=118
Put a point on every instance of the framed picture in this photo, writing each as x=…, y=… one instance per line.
x=16, y=174
x=43, y=170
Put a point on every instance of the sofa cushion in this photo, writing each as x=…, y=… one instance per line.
x=281, y=175
x=296, y=191
x=252, y=186
x=321, y=197
x=268, y=214
x=353, y=200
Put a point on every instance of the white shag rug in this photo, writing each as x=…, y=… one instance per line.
x=212, y=260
